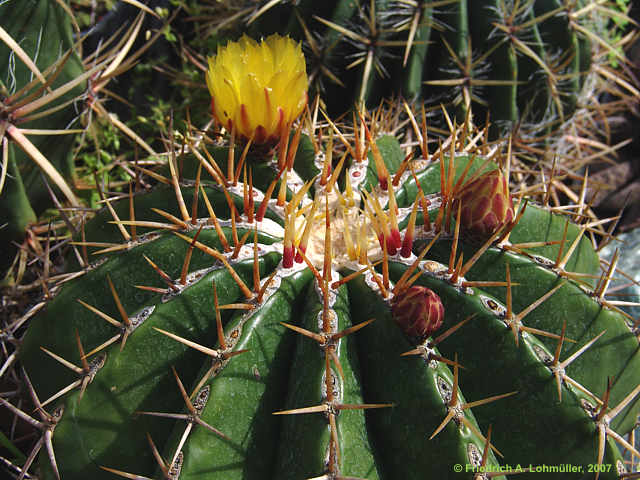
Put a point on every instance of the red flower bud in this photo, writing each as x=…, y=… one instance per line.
x=418, y=311
x=486, y=205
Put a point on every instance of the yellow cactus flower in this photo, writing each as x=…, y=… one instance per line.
x=258, y=88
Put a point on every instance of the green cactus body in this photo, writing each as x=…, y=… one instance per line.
x=297, y=382
x=527, y=60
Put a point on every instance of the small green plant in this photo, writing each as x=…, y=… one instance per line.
x=622, y=22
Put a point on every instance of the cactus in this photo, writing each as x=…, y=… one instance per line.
x=48, y=94
x=532, y=62
x=41, y=78
x=298, y=359
x=235, y=335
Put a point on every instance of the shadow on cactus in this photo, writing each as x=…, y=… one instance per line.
x=248, y=318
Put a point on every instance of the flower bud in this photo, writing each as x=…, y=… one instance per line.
x=418, y=311
x=486, y=205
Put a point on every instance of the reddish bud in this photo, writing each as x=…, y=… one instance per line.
x=418, y=311
x=486, y=205
x=394, y=242
x=299, y=258
x=288, y=257
x=407, y=245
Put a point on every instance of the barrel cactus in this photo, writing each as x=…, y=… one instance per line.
x=533, y=62
x=249, y=318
